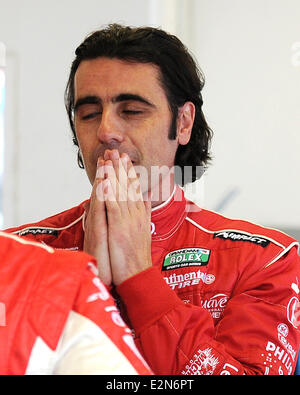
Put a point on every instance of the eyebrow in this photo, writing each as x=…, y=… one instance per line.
x=132, y=97
x=86, y=100
x=118, y=99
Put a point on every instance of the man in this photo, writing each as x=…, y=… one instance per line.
x=203, y=293
x=56, y=317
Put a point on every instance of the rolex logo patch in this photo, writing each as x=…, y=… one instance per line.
x=186, y=257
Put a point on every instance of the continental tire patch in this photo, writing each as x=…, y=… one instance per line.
x=238, y=236
x=186, y=257
x=38, y=231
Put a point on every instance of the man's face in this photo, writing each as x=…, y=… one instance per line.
x=122, y=105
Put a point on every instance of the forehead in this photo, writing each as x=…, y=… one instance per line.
x=107, y=77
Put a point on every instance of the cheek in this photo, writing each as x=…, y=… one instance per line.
x=153, y=140
x=86, y=143
x=87, y=149
x=90, y=170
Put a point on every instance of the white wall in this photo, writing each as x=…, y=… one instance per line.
x=251, y=98
x=250, y=54
x=42, y=176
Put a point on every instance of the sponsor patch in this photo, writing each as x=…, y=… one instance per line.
x=186, y=257
x=283, y=332
x=188, y=279
x=203, y=362
x=293, y=312
x=38, y=231
x=215, y=305
x=277, y=359
x=237, y=236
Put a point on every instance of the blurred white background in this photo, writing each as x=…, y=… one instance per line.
x=249, y=51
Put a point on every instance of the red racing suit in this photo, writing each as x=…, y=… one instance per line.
x=56, y=317
x=222, y=296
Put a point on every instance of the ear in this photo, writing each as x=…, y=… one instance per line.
x=185, y=122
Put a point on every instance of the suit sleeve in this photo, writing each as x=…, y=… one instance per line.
x=258, y=333
x=94, y=340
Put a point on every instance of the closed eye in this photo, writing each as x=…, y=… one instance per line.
x=132, y=112
x=90, y=116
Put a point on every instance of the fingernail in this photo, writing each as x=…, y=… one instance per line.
x=115, y=154
x=108, y=163
x=106, y=154
x=100, y=169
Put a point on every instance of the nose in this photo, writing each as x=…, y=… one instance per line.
x=110, y=129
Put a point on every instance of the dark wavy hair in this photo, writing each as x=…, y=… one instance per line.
x=180, y=77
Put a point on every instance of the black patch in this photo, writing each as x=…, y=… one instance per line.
x=236, y=236
x=38, y=231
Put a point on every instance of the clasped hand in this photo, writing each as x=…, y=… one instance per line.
x=117, y=221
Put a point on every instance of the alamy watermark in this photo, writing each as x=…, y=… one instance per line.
x=139, y=180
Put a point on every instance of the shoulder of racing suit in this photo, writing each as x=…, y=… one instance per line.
x=226, y=233
x=34, y=295
x=56, y=317
x=63, y=230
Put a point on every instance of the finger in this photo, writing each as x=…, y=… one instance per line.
x=148, y=204
x=106, y=155
x=134, y=192
x=107, y=190
x=99, y=191
x=148, y=208
x=100, y=175
x=111, y=203
x=118, y=189
x=120, y=170
x=134, y=186
x=95, y=232
x=109, y=173
x=125, y=162
x=100, y=169
x=96, y=212
x=95, y=227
